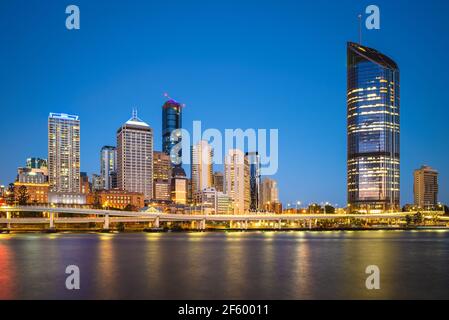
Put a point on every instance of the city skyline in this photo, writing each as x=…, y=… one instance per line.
x=415, y=149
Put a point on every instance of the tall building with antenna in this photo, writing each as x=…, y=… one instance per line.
x=373, y=107
x=171, y=121
x=135, y=157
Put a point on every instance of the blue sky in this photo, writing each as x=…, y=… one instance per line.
x=235, y=64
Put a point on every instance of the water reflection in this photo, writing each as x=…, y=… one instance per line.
x=228, y=265
x=7, y=273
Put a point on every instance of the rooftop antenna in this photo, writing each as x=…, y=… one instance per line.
x=360, y=29
x=134, y=114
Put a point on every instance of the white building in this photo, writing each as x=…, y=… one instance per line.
x=237, y=180
x=135, y=157
x=64, y=153
x=201, y=168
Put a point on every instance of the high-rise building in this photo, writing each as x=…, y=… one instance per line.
x=218, y=181
x=237, y=180
x=161, y=176
x=425, y=187
x=108, y=167
x=161, y=166
x=201, y=168
x=179, y=187
x=171, y=121
x=270, y=193
x=373, y=104
x=64, y=153
x=254, y=173
x=135, y=157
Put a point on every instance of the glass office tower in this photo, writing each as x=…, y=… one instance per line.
x=171, y=120
x=254, y=173
x=373, y=105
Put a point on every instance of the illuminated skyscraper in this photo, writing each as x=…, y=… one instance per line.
x=171, y=120
x=135, y=157
x=425, y=187
x=161, y=176
x=269, y=193
x=179, y=186
x=237, y=180
x=254, y=172
x=108, y=167
x=373, y=130
x=64, y=153
x=201, y=168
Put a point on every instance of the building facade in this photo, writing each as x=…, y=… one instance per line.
x=218, y=181
x=64, y=153
x=108, y=167
x=270, y=193
x=38, y=164
x=37, y=192
x=425, y=187
x=85, y=186
x=117, y=199
x=373, y=107
x=135, y=157
x=28, y=175
x=178, y=186
x=171, y=121
x=254, y=173
x=201, y=168
x=237, y=180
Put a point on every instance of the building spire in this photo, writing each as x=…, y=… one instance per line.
x=134, y=113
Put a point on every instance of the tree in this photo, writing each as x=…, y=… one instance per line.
x=22, y=195
x=418, y=218
x=11, y=195
x=408, y=219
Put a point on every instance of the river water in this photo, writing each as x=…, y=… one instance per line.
x=226, y=265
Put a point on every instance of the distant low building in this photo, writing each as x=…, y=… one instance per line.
x=275, y=207
x=117, y=199
x=69, y=198
x=37, y=192
x=28, y=175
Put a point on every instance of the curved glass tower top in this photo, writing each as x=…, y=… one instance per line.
x=171, y=120
x=373, y=106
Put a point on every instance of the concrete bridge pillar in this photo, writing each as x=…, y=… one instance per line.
x=106, y=222
x=8, y=217
x=156, y=223
x=52, y=220
x=231, y=224
x=246, y=225
x=310, y=223
x=202, y=224
x=280, y=224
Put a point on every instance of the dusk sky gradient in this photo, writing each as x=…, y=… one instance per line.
x=235, y=64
